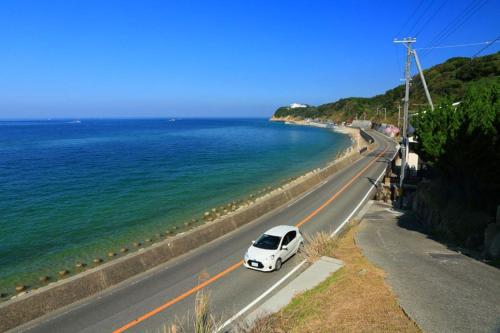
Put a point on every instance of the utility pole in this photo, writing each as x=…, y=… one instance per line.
x=417, y=61
x=385, y=114
x=407, y=43
x=399, y=113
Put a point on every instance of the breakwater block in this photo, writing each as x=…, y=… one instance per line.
x=20, y=288
x=63, y=272
x=43, y=278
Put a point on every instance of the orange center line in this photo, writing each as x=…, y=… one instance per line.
x=178, y=298
x=239, y=263
x=342, y=189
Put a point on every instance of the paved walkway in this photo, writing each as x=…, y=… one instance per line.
x=442, y=290
x=308, y=279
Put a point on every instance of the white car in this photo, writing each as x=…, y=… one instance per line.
x=273, y=248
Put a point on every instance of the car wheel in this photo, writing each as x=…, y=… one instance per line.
x=301, y=247
x=277, y=266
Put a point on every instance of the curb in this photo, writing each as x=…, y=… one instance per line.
x=315, y=274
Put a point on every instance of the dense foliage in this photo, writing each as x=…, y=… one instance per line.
x=462, y=144
x=447, y=82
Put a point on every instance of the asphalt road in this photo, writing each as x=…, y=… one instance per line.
x=158, y=295
x=442, y=290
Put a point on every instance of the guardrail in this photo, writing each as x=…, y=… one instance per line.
x=367, y=137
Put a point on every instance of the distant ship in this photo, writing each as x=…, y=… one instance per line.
x=171, y=119
x=75, y=122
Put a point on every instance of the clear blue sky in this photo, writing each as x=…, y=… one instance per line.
x=233, y=58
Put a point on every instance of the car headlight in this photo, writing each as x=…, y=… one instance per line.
x=271, y=257
x=246, y=256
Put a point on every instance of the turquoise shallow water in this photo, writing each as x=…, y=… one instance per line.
x=72, y=191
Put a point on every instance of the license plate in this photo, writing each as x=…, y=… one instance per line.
x=254, y=264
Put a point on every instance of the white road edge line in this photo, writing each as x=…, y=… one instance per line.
x=283, y=279
x=357, y=207
x=305, y=195
x=255, y=301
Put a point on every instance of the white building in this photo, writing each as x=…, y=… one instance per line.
x=361, y=124
x=297, y=105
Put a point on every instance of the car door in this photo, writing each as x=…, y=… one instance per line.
x=293, y=243
x=284, y=254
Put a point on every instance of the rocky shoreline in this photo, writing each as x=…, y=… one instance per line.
x=357, y=140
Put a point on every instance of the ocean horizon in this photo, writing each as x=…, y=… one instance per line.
x=75, y=189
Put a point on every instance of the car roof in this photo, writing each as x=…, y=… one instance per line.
x=280, y=230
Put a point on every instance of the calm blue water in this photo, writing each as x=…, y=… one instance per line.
x=74, y=191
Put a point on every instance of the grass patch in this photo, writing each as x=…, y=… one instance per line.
x=355, y=298
x=320, y=244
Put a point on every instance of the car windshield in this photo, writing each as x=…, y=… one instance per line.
x=267, y=242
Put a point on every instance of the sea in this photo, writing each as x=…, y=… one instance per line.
x=75, y=190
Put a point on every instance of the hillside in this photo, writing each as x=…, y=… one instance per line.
x=446, y=80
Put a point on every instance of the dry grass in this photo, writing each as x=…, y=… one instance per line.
x=353, y=299
x=318, y=245
x=203, y=319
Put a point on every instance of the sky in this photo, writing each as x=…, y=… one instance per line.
x=237, y=58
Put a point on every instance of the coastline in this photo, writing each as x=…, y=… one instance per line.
x=356, y=139
x=69, y=267
x=217, y=223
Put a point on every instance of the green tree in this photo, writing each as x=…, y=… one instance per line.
x=462, y=143
x=435, y=129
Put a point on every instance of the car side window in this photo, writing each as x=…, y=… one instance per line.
x=289, y=237
x=285, y=240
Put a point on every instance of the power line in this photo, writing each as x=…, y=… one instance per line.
x=454, y=23
x=457, y=22
x=484, y=48
x=460, y=20
x=457, y=45
x=431, y=17
x=420, y=17
x=464, y=20
x=410, y=17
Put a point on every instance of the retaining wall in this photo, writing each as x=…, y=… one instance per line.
x=39, y=302
x=368, y=138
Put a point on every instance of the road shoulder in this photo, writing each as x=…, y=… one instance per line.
x=442, y=290
x=355, y=298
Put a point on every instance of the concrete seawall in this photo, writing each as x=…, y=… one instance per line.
x=367, y=137
x=37, y=303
